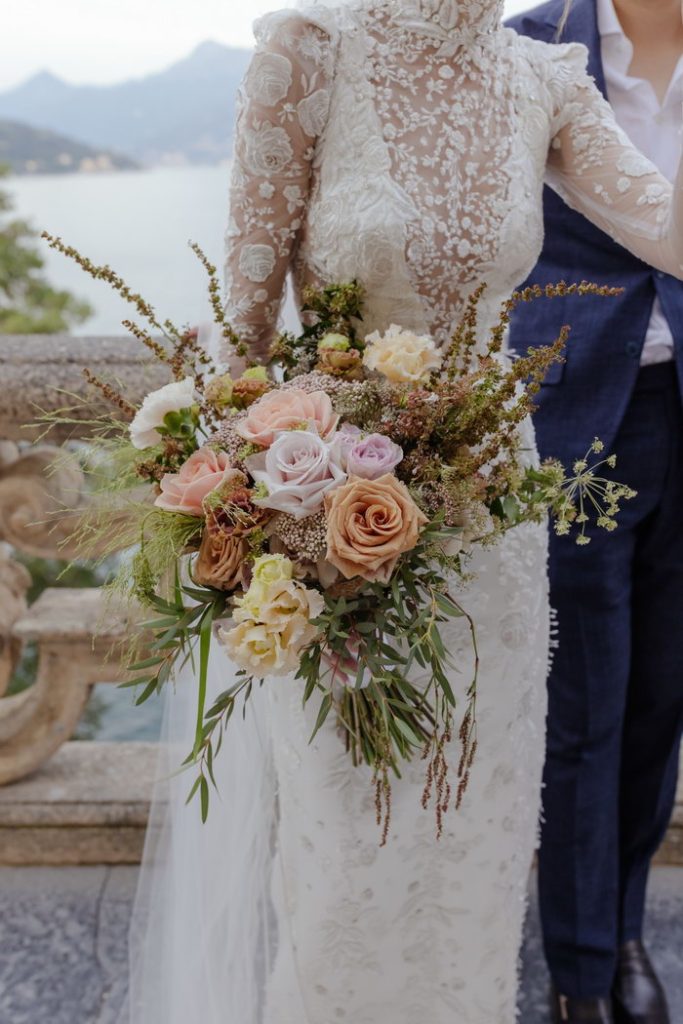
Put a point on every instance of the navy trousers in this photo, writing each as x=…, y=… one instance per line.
x=616, y=701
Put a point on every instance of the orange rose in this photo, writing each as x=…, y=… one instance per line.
x=287, y=409
x=370, y=523
x=220, y=561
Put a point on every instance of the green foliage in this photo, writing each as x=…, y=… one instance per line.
x=28, y=303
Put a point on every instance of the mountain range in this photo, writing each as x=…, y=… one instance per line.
x=183, y=114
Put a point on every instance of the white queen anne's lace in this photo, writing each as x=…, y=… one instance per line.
x=406, y=143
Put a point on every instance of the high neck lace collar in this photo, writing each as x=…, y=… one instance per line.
x=452, y=23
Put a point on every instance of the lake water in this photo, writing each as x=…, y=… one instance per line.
x=139, y=223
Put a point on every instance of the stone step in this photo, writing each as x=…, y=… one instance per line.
x=64, y=945
x=88, y=804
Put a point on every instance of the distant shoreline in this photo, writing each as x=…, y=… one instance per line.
x=114, y=172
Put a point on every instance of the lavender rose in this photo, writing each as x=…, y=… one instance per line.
x=346, y=437
x=372, y=457
x=297, y=471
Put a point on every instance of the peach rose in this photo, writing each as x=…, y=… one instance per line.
x=220, y=561
x=204, y=471
x=370, y=524
x=287, y=409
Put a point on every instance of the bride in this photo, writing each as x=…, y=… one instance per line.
x=404, y=143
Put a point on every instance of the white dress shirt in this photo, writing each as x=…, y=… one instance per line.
x=655, y=129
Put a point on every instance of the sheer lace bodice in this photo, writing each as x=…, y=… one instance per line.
x=405, y=142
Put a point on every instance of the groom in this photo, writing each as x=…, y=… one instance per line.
x=616, y=685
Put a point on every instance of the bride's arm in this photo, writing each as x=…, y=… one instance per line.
x=596, y=169
x=283, y=104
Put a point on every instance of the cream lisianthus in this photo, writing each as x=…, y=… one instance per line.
x=401, y=356
x=259, y=650
x=276, y=604
x=273, y=625
x=272, y=569
x=174, y=397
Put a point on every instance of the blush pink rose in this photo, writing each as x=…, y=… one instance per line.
x=288, y=409
x=204, y=471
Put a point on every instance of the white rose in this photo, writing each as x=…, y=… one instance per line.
x=171, y=398
x=298, y=470
x=269, y=78
x=257, y=262
x=267, y=150
x=401, y=356
x=313, y=111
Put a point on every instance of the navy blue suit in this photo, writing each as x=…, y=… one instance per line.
x=616, y=685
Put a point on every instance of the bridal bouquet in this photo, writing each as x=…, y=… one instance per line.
x=315, y=518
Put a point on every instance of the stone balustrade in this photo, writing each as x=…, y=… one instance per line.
x=42, y=494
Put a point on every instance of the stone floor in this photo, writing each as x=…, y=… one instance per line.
x=63, y=945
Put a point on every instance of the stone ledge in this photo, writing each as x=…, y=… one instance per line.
x=45, y=372
x=88, y=805
x=69, y=615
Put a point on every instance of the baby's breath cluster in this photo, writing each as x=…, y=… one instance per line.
x=307, y=538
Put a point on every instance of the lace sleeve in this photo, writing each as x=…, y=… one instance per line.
x=595, y=168
x=282, y=109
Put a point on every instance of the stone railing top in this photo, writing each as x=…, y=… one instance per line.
x=69, y=615
x=39, y=371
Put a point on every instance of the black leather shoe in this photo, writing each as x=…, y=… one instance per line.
x=581, y=1011
x=638, y=994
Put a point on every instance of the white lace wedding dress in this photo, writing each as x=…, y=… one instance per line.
x=404, y=143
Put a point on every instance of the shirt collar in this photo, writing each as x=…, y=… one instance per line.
x=617, y=50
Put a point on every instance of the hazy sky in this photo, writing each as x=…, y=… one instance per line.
x=109, y=40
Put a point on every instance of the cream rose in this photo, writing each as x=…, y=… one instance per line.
x=180, y=394
x=370, y=523
x=287, y=410
x=401, y=356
